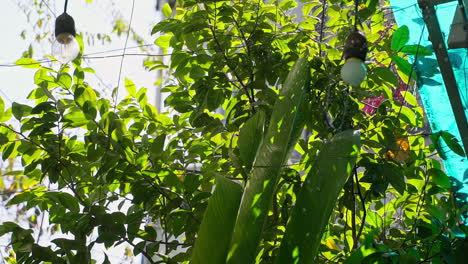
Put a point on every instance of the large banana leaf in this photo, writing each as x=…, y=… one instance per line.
x=286, y=124
x=317, y=198
x=216, y=228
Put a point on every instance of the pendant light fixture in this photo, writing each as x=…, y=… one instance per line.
x=65, y=48
x=354, y=70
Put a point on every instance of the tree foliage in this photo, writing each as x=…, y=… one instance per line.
x=111, y=169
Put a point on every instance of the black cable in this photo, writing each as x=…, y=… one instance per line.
x=65, y=7
x=356, y=15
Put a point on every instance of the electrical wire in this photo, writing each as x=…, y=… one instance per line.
x=123, y=54
x=87, y=56
x=356, y=14
x=48, y=7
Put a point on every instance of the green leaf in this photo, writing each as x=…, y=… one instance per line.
x=400, y=38
x=452, y=143
x=358, y=255
x=8, y=227
x=28, y=63
x=2, y=105
x=218, y=223
x=167, y=10
x=163, y=41
x=85, y=94
x=286, y=124
x=317, y=198
x=44, y=254
x=439, y=177
x=44, y=87
x=387, y=75
x=130, y=87
x=6, y=115
x=21, y=198
x=69, y=201
x=250, y=136
x=9, y=150
x=407, y=115
x=106, y=259
x=416, y=50
x=409, y=97
x=395, y=177
x=20, y=110
x=157, y=147
x=405, y=67
x=64, y=80
x=76, y=119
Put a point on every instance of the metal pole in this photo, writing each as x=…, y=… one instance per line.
x=435, y=34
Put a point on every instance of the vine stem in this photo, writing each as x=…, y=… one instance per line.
x=363, y=203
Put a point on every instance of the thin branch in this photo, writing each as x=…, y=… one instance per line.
x=144, y=253
x=353, y=216
x=231, y=68
x=249, y=54
x=322, y=25
x=363, y=203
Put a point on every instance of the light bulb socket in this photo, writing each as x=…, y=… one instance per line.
x=355, y=46
x=65, y=24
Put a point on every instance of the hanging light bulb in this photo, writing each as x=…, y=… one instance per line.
x=354, y=70
x=65, y=47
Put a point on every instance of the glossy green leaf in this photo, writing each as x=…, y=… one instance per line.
x=76, y=119
x=84, y=94
x=2, y=105
x=395, y=177
x=387, y=75
x=218, y=222
x=439, y=177
x=157, y=146
x=416, y=50
x=452, y=143
x=405, y=67
x=130, y=87
x=45, y=254
x=400, y=38
x=69, y=201
x=64, y=80
x=407, y=115
x=163, y=41
x=317, y=198
x=20, y=110
x=167, y=10
x=286, y=124
x=28, y=63
x=10, y=150
x=5, y=115
x=250, y=136
x=409, y=97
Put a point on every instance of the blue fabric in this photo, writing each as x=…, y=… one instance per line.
x=431, y=85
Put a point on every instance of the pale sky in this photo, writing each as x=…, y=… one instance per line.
x=16, y=82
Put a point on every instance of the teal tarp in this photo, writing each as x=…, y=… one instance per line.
x=431, y=85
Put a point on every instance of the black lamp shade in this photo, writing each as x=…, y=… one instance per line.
x=355, y=46
x=64, y=24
